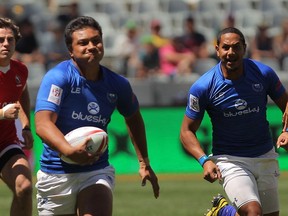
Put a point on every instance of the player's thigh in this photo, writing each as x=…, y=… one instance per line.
x=95, y=198
x=16, y=171
x=270, y=202
x=239, y=183
x=241, y=189
x=268, y=185
x=56, y=193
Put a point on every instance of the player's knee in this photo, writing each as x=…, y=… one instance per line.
x=24, y=189
x=251, y=208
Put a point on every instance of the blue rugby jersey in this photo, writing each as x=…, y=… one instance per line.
x=237, y=109
x=80, y=102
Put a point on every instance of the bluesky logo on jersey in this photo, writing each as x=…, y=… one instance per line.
x=90, y=118
x=93, y=108
x=55, y=94
x=194, y=103
x=241, y=106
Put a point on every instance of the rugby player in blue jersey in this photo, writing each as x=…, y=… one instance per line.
x=234, y=94
x=82, y=92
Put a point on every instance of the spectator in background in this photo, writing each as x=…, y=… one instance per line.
x=157, y=38
x=149, y=58
x=149, y=50
x=27, y=49
x=126, y=49
x=66, y=14
x=281, y=42
x=175, y=58
x=262, y=45
x=194, y=40
x=5, y=11
x=229, y=21
x=54, y=47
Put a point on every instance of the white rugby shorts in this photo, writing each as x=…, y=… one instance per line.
x=57, y=193
x=250, y=179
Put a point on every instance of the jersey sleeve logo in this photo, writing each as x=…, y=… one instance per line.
x=55, y=94
x=194, y=103
x=18, y=81
x=257, y=87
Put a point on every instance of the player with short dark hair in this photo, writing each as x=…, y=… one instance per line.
x=234, y=94
x=15, y=169
x=75, y=93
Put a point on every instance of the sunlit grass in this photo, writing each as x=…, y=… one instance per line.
x=181, y=195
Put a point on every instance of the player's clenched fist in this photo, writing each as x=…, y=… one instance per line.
x=10, y=111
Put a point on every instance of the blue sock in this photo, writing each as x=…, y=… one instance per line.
x=227, y=210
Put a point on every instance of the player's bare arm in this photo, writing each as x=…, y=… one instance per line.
x=285, y=118
x=136, y=130
x=282, y=103
x=47, y=130
x=24, y=116
x=189, y=139
x=190, y=142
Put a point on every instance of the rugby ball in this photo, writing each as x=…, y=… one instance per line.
x=97, y=145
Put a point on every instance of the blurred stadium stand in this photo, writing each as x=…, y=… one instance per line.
x=113, y=14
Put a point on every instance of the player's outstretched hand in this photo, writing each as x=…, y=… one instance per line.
x=282, y=141
x=146, y=173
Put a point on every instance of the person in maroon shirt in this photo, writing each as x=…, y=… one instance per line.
x=15, y=169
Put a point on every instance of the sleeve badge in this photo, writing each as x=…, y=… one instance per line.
x=194, y=103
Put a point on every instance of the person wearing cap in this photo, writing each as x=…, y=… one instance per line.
x=126, y=48
x=156, y=34
x=149, y=58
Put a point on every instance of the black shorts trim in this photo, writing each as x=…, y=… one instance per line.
x=9, y=154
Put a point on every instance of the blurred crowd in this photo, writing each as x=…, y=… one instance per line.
x=138, y=49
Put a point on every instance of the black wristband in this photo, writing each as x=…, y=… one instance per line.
x=26, y=129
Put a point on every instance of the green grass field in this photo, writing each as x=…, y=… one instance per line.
x=181, y=195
